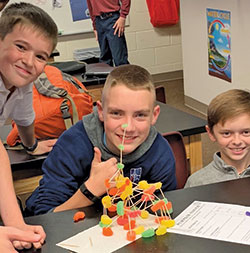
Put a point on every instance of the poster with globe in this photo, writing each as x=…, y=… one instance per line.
x=219, y=44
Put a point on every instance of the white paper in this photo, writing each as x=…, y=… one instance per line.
x=217, y=221
x=92, y=240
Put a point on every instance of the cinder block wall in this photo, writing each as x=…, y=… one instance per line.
x=156, y=49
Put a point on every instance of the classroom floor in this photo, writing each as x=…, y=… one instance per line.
x=174, y=92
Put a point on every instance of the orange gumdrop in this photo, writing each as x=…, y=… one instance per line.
x=131, y=235
x=130, y=225
x=78, y=216
x=107, y=184
x=112, y=208
x=159, y=219
x=113, y=191
x=107, y=231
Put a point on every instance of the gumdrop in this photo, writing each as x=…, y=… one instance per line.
x=168, y=223
x=122, y=221
x=131, y=235
x=105, y=219
x=107, y=231
x=144, y=214
x=120, y=208
x=78, y=216
x=148, y=233
x=161, y=230
x=139, y=230
x=106, y=201
x=129, y=225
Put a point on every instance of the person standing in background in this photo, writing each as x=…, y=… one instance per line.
x=108, y=18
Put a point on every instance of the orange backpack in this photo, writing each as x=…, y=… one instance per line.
x=59, y=101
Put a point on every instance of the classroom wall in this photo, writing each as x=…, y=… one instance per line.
x=156, y=49
x=198, y=84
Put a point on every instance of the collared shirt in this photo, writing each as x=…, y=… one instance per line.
x=96, y=7
x=18, y=106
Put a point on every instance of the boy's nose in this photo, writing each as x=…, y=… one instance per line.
x=236, y=139
x=129, y=124
x=28, y=58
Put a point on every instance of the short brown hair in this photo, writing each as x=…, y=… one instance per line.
x=132, y=76
x=28, y=14
x=228, y=105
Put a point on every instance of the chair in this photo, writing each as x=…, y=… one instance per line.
x=175, y=139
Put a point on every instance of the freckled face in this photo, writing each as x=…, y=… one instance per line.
x=23, y=55
x=125, y=106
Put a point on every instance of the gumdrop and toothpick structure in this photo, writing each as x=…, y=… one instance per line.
x=134, y=201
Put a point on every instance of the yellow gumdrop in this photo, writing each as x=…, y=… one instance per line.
x=105, y=219
x=161, y=230
x=139, y=230
x=106, y=201
x=168, y=223
x=158, y=185
x=120, y=181
x=144, y=214
x=143, y=185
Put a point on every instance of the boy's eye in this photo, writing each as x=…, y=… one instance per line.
x=115, y=113
x=21, y=47
x=246, y=133
x=41, y=57
x=226, y=134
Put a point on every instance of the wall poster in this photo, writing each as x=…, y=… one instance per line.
x=219, y=44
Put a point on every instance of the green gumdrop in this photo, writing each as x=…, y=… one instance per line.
x=103, y=225
x=120, y=166
x=120, y=208
x=170, y=210
x=124, y=126
x=121, y=147
x=148, y=233
x=165, y=200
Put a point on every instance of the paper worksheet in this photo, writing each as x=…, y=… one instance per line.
x=217, y=221
x=92, y=240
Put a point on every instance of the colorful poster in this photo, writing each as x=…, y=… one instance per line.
x=219, y=44
x=79, y=10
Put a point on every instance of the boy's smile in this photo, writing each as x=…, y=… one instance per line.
x=125, y=106
x=234, y=140
x=23, y=54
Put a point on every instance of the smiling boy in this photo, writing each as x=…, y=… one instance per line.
x=87, y=154
x=229, y=126
x=27, y=38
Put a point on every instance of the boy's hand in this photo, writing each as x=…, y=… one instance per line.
x=8, y=235
x=119, y=26
x=32, y=230
x=43, y=147
x=99, y=172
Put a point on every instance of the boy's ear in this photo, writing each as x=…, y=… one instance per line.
x=210, y=134
x=156, y=112
x=100, y=110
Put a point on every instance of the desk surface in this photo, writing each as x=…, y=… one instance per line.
x=60, y=226
x=172, y=119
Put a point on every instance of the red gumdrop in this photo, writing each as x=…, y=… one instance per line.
x=130, y=225
x=131, y=235
x=107, y=231
x=121, y=220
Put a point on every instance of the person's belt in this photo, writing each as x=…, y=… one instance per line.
x=105, y=15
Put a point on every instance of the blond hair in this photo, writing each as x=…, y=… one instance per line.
x=28, y=14
x=228, y=105
x=132, y=76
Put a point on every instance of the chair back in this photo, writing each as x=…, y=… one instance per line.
x=175, y=139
